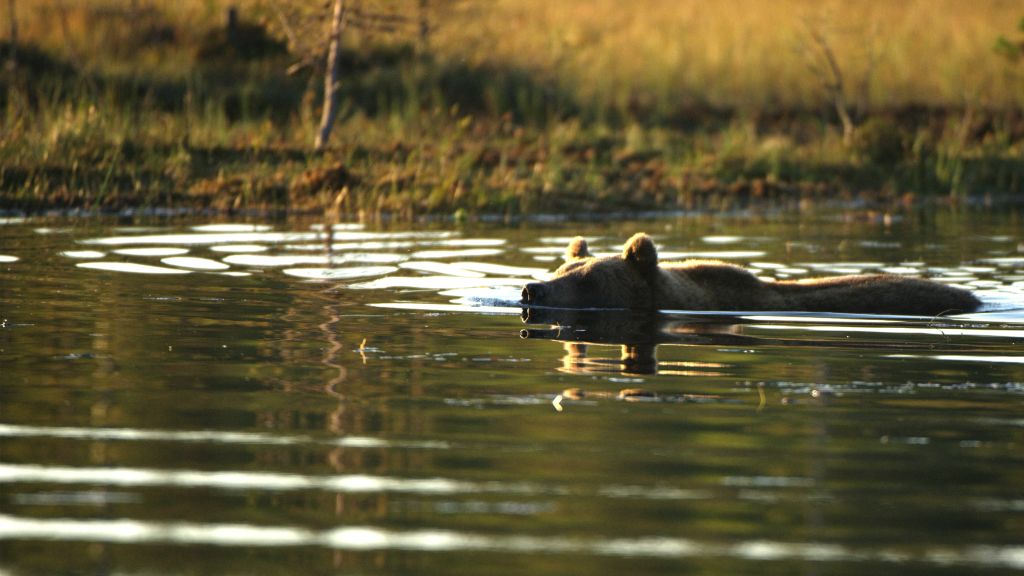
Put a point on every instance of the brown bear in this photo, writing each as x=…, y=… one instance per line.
x=637, y=280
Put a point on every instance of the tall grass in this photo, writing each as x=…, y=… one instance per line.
x=745, y=54
x=651, y=54
x=520, y=105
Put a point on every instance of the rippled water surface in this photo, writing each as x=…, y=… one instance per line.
x=235, y=398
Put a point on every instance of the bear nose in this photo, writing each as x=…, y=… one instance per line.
x=532, y=292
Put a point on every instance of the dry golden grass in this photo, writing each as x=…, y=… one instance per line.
x=750, y=54
x=145, y=119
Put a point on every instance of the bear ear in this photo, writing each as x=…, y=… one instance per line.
x=640, y=252
x=577, y=249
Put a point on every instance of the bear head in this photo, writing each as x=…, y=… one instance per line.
x=585, y=281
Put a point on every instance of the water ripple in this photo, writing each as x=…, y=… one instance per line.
x=83, y=254
x=943, y=331
x=156, y=251
x=440, y=540
x=237, y=480
x=194, y=263
x=215, y=436
x=130, y=267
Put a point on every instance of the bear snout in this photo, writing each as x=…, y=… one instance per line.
x=533, y=292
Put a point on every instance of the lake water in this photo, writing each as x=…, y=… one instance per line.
x=227, y=397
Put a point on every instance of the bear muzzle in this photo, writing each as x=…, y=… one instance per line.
x=533, y=293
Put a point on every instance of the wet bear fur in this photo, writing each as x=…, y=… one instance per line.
x=636, y=280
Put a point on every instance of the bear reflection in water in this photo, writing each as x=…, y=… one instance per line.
x=637, y=280
x=638, y=337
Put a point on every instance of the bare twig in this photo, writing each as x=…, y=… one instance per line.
x=874, y=55
x=12, y=15
x=963, y=132
x=424, y=14
x=330, y=108
x=332, y=215
x=12, y=58
x=832, y=80
x=286, y=27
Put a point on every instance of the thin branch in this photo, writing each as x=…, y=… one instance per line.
x=12, y=58
x=874, y=55
x=424, y=14
x=834, y=82
x=289, y=32
x=330, y=109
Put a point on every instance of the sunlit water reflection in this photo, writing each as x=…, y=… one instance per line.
x=363, y=400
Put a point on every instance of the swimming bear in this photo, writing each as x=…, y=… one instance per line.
x=637, y=280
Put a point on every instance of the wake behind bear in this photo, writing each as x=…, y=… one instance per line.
x=636, y=280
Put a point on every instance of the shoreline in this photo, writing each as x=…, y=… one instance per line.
x=757, y=207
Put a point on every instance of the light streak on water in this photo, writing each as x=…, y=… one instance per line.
x=131, y=268
x=212, y=436
x=442, y=268
x=438, y=282
x=194, y=263
x=239, y=248
x=965, y=358
x=83, y=254
x=428, y=307
x=236, y=480
x=943, y=331
x=339, y=273
x=232, y=228
x=271, y=261
x=156, y=251
x=500, y=269
x=367, y=538
x=464, y=253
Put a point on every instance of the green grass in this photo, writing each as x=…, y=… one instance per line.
x=101, y=115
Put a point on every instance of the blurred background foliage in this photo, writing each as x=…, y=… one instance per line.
x=508, y=105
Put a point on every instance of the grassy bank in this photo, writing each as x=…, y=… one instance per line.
x=512, y=107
